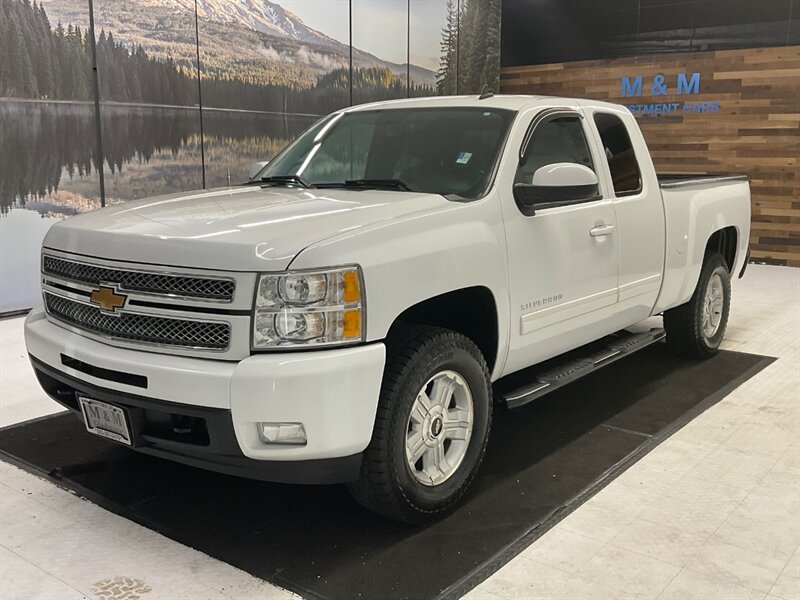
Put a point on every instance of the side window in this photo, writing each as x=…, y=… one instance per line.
x=619, y=153
x=560, y=139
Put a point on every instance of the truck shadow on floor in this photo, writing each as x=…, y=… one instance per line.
x=543, y=461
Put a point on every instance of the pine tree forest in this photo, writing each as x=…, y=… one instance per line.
x=42, y=61
x=45, y=145
x=470, y=48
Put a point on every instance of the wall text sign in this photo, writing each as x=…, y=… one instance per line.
x=683, y=85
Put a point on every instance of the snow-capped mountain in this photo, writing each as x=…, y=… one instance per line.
x=258, y=39
x=261, y=15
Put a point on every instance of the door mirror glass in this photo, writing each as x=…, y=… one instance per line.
x=556, y=184
x=256, y=169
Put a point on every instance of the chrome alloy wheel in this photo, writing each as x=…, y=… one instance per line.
x=713, y=302
x=439, y=428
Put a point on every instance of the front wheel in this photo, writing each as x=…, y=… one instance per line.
x=696, y=329
x=431, y=427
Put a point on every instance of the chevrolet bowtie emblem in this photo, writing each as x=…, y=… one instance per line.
x=107, y=299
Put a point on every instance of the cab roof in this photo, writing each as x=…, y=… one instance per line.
x=500, y=101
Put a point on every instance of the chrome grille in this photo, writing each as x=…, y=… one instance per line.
x=141, y=281
x=136, y=327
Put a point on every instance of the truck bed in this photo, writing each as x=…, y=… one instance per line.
x=680, y=180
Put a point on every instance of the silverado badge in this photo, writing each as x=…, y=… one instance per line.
x=108, y=299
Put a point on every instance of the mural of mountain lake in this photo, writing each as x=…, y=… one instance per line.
x=47, y=153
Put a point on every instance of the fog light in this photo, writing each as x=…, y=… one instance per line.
x=282, y=433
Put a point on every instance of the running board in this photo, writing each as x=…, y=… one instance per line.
x=516, y=393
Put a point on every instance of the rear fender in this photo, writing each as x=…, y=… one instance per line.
x=693, y=216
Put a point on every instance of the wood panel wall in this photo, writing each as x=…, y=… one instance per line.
x=756, y=131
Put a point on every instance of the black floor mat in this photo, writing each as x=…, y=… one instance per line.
x=543, y=461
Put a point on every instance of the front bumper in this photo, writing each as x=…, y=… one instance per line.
x=334, y=393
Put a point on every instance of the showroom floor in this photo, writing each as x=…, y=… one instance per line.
x=713, y=512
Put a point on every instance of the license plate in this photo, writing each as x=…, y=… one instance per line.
x=105, y=420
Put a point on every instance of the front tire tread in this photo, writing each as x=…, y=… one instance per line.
x=379, y=488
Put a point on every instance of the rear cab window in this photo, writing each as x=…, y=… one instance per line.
x=620, y=156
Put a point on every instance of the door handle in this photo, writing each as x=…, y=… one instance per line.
x=602, y=230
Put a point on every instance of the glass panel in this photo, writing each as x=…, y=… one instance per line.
x=478, y=46
x=432, y=47
x=380, y=50
x=431, y=150
x=146, y=55
x=269, y=71
x=558, y=140
x=344, y=152
x=620, y=154
x=47, y=149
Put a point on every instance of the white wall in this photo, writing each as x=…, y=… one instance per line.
x=21, y=235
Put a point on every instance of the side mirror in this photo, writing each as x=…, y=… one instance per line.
x=557, y=184
x=256, y=169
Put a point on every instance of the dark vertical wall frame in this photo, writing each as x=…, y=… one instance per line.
x=98, y=122
x=200, y=96
x=408, y=48
x=458, y=44
x=350, y=25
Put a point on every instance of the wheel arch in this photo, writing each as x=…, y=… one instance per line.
x=722, y=240
x=471, y=311
x=682, y=272
x=725, y=241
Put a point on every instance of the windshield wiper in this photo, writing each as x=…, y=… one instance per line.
x=369, y=184
x=284, y=180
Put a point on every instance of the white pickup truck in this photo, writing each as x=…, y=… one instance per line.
x=351, y=313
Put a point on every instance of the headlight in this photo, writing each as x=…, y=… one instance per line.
x=308, y=308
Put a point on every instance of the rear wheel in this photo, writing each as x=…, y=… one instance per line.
x=431, y=428
x=696, y=329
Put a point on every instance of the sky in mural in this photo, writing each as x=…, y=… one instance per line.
x=427, y=21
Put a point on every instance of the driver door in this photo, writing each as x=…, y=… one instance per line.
x=563, y=259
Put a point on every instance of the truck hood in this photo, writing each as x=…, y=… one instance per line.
x=233, y=229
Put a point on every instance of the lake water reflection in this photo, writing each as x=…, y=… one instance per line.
x=49, y=166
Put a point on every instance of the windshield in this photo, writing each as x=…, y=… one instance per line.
x=433, y=150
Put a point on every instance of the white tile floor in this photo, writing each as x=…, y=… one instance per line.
x=712, y=513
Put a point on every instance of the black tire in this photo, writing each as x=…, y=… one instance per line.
x=386, y=484
x=684, y=324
